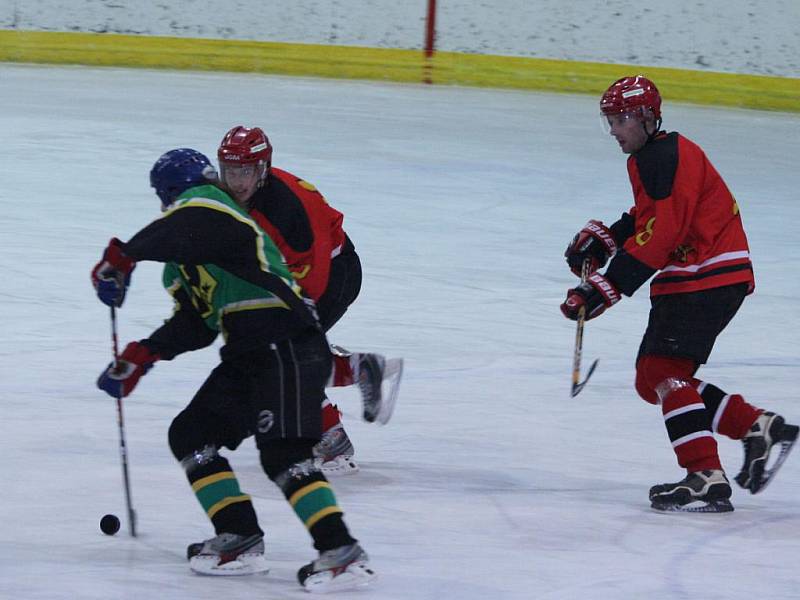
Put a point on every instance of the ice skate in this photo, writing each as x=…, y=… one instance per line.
x=379, y=382
x=768, y=431
x=702, y=491
x=228, y=554
x=342, y=568
x=334, y=452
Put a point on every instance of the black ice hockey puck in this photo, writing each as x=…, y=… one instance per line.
x=109, y=524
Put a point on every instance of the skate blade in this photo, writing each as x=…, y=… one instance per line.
x=769, y=473
x=698, y=506
x=341, y=465
x=355, y=576
x=245, y=564
x=337, y=350
x=392, y=374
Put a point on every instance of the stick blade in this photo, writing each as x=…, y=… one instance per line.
x=577, y=387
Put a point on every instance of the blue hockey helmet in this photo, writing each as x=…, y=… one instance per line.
x=178, y=170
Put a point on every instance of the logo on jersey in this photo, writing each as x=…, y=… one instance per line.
x=265, y=421
x=682, y=253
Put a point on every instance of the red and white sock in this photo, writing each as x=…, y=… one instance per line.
x=330, y=415
x=345, y=371
x=732, y=416
x=688, y=425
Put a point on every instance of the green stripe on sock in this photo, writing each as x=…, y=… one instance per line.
x=314, y=504
x=217, y=491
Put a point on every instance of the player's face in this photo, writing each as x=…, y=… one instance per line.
x=241, y=180
x=629, y=131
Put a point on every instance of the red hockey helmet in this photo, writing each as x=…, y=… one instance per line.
x=245, y=156
x=631, y=93
x=245, y=146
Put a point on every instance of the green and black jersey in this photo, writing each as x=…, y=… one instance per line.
x=225, y=274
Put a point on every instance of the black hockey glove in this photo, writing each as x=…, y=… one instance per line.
x=594, y=242
x=593, y=296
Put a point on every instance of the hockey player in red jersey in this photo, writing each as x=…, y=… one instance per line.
x=323, y=261
x=684, y=228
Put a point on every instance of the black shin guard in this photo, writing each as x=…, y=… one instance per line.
x=289, y=463
x=217, y=489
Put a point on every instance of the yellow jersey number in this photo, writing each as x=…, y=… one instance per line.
x=644, y=236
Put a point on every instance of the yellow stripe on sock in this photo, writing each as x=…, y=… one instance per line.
x=303, y=492
x=201, y=483
x=226, y=502
x=328, y=510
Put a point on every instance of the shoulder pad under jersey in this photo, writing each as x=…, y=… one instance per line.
x=657, y=163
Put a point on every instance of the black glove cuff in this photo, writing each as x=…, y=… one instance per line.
x=628, y=274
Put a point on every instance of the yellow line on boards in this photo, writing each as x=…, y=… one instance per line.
x=408, y=66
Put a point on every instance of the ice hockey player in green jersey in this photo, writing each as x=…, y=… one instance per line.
x=226, y=276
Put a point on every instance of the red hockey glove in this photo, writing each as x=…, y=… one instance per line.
x=595, y=294
x=594, y=242
x=112, y=275
x=119, y=380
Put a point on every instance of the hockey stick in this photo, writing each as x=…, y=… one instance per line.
x=577, y=384
x=123, y=449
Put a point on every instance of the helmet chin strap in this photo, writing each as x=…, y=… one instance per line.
x=263, y=180
x=656, y=131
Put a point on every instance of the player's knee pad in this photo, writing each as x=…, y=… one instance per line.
x=666, y=392
x=652, y=370
x=185, y=436
x=645, y=391
x=200, y=458
x=277, y=456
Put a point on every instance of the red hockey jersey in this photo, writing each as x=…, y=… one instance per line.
x=686, y=223
x=309, y=236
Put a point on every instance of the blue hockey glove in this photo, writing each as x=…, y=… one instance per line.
x=112, y=275
x=118, y=380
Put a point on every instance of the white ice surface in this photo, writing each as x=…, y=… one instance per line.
x=490, y=482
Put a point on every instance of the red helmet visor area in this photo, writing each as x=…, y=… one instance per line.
x=241, y=177
x=620, y=118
